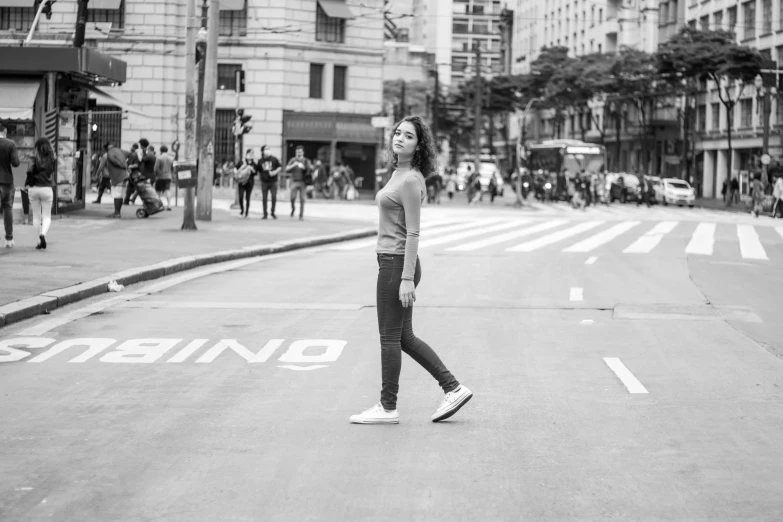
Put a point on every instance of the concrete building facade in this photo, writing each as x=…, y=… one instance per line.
x=759, y=24
x=313, y=70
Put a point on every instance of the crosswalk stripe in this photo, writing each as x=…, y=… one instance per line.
x=750, y=244
x=703, y=240
x=471, y=233
x=502, y=238
x=426, y=226
x=602, y=238
x=650, y=240
x=554, y=238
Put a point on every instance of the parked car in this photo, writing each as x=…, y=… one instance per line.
x=624, y=188
x=677, y=192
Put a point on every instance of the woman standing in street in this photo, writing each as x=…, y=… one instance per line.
x=39, y=179
x=399, y=205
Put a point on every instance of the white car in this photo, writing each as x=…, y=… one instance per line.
x=677, y=192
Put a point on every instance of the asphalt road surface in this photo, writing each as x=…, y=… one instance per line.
x=626, y=365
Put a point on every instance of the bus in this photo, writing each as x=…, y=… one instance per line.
x=572, y=155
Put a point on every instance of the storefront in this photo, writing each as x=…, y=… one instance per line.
x=52, y=92
x=335, y=138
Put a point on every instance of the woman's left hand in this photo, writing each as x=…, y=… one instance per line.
x=407, y=293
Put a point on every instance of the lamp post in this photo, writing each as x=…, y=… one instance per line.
x=521, y=138
x=763, y=97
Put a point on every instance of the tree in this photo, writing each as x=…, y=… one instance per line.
x=715, y=56
x=415, y=96
x=543, y=68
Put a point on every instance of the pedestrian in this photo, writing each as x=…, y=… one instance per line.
x=269, y=169
x=164, y=167
x=469, y=192
x=644, y=192
x=134, y=172
x=148, y=161
x=734, y=195
x=757, y=194
x=399, y=205
x=724, y=191
x=9, y=158
x=102, y=173
x=39, y=184
x=245, y=176
x=321, y=178
x=451, y=183
x=117, y=164
x=299, y=168
x=777, y=193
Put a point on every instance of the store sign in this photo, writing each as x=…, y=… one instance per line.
x=305, y=354
x=583, y=150
x=381, y=122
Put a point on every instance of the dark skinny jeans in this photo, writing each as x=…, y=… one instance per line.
x=245, y=191
x=395, y=324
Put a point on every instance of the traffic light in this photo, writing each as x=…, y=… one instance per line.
x=240, y=125
x=240, y=80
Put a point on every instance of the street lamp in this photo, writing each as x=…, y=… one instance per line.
x=762, y=96
x=521, y=138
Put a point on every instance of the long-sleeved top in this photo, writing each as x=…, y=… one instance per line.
x=9, y=157
x=298, y=173
x=117, y=166
x=164, y=166
x=399, y=207
x=777, y=191
x=148, y=162
x=40, y=173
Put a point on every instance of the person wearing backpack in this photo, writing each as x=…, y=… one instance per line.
x=245, y=176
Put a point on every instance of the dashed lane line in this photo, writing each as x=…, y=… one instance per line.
x=703, y=240
x=750, y=244
x=577, y=294
x=625, y=375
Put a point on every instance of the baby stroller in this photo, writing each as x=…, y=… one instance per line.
x=151, y=203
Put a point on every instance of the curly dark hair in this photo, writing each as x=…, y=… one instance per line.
x=425, y=158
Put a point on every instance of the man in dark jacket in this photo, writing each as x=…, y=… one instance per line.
x=117, y=166
x=9, y=158
x=269, y=167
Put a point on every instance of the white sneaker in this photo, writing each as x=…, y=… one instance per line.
x=9, y=243
x=376, y=415
x=451, y=403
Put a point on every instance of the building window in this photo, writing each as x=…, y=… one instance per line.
x=460, y=26
x=233, y=23
x=766, y=16
x=480, y=27
x=705, y=23
x=749, y=12
x=478, y=9
x=716, y=116
x=227, y=76
x=114, y=16
x=746, y=113
x=732, y=19
x=328, y=28
x=224, y=136
x=340, y=77
x=316, y=80
x=16, y=18
x=702, y=125
x=717, y=20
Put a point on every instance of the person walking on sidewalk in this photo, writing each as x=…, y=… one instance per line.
x=164, y=166
x=9, y=158
x=134, y=167
x=299, y=168
x=246, y=173
x=399, y=205
x=777, y=193
x=40, y=180
x=269, y=168
x=757, y=194
x=117, y=163
x=102, y=173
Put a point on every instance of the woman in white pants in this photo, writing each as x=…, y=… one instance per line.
x=39, y=181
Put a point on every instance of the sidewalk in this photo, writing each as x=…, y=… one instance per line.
x=87, y=249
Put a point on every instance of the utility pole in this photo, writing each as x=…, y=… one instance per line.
x=206, y=166
x=478, y=102
x=436, y=110
x=189, y=219
x=403, y=108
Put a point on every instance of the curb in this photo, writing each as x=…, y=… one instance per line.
x=47, y=301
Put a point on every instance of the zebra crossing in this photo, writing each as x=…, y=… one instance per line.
x=569, y=236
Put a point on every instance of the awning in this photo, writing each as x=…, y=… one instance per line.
x=84, y=62
x=232, y=5
x=336, y=9
x=104, y=4
x=17, y=98
x=108, y=99
x=16, y=3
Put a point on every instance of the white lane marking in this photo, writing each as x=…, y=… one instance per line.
x=602, y=238
x=650, y=240
x=779, y=230
x=216, y=305
x=586, y=321
x=703, y=240
x=625, y=375
x=577, y=294
x=467, y=247
x=187, y=351
x=750, y=244
x=471, y=233
x=85, y=311
x=365, y=243
x=554, y=238
x=303, y=368
x=591, y=260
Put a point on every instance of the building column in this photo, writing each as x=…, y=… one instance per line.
x=708, y=184
x=721, y=173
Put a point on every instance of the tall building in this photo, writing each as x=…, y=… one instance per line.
x=474, y=23
x=757, y=23
x=313, y=70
